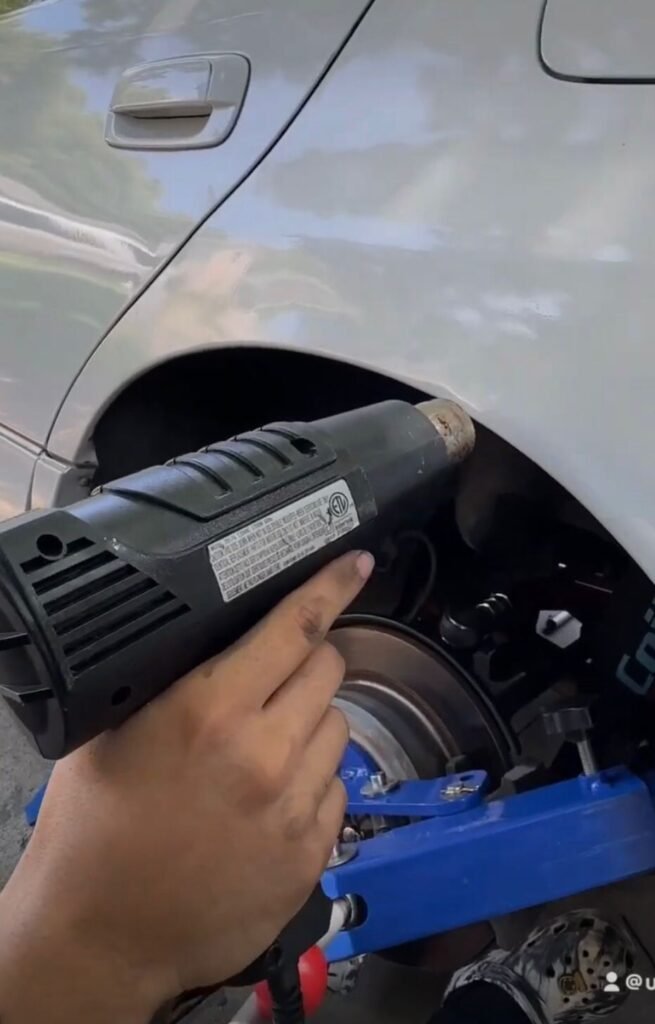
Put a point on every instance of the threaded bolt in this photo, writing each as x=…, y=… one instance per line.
x=587, y=757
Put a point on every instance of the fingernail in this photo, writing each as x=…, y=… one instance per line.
x=365, y=564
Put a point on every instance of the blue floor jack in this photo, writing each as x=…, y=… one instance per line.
x=465, y=857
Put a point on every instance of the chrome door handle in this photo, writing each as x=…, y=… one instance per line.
x=182, y=103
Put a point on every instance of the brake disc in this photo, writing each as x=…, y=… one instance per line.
x=410, y=707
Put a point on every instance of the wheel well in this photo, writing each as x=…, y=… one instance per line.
x=197, y=399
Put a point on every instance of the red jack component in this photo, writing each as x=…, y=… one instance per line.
x=313, y=971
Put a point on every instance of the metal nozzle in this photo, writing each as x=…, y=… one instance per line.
x=454, y=426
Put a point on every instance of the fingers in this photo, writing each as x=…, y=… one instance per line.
x=330, y=816
x=258, y=665
x=320, y=762
x=295, y=710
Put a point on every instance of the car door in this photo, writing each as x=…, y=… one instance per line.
x=122, y=125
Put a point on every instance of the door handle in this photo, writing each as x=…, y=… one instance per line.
x=182, y=103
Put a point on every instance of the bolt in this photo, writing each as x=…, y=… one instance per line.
x=573, y=724
x=587, y=756
x=555, y=621
x=378, y=785
x=466, y=628
x=350, y=834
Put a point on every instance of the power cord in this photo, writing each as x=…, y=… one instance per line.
x=417, y=537
x=284, y=984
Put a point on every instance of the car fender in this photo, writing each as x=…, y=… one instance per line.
x=445, y=212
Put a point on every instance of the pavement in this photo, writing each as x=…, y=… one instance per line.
x=386, y=994
x=22, y=771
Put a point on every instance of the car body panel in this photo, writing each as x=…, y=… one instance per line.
x=18, y=459
x=599, y=39
x=83, y=227
x=490, y=245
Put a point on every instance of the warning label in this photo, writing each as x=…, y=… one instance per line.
x=253, y=554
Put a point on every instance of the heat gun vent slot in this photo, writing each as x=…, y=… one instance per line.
x=97, y=604
x=40, y=561
x=125, y=631
x=88, y=590
x=71, y=572
x=86, y=573
x=100, y=631
x=257, y=440
x=64, y=625
x=303, y=445
x=240, y=455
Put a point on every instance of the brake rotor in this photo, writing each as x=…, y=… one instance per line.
x=410, y=707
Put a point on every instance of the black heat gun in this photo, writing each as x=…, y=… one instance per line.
x=105, y=603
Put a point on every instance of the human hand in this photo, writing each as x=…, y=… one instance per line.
x=170, y=853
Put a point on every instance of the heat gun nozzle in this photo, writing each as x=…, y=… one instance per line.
x=453, y=424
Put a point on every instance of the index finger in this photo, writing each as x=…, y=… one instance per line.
x=267, y=655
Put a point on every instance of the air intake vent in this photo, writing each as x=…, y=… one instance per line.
x=97, y=604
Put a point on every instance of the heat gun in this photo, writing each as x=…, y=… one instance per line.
x=107, y=602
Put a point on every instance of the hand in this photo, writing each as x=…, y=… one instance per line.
x=170, y=853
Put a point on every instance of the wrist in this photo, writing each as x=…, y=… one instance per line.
x=55, y=970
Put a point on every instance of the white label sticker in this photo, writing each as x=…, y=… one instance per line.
x=250, y=556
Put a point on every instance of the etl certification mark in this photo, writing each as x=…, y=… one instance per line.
x=339, y=505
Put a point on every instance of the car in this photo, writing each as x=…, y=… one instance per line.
x=417, y=198
x=214, y=216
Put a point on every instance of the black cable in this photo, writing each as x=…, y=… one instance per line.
x=284, y=985
x=417, y=537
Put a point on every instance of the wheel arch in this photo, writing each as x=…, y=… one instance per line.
x=193, y=399
x=188, y=398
